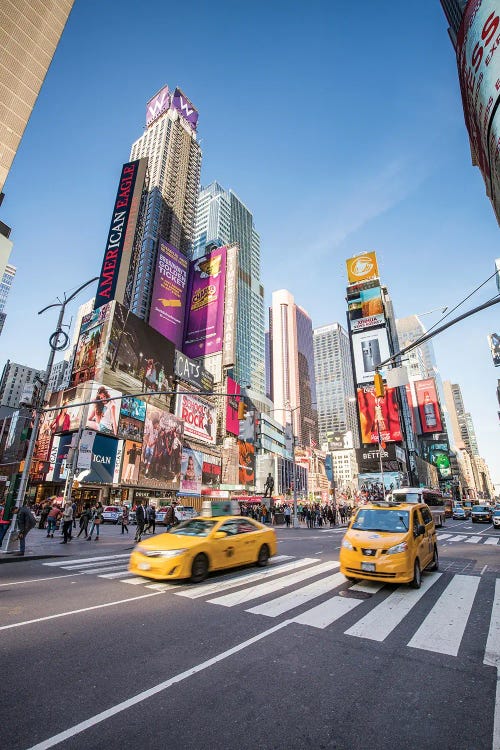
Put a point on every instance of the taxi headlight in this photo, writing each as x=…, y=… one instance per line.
x=165, y=553
x=346, y=544
x=397, y=548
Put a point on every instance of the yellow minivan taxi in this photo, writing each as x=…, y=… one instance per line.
x=389, y=541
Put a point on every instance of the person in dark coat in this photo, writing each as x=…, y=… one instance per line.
x=25, y=522
x=140, y=517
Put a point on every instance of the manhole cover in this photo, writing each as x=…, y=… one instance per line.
x=350, y=594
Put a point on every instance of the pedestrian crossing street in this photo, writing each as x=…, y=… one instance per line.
x=289, y=584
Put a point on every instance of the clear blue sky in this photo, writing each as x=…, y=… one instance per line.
x=338, y=124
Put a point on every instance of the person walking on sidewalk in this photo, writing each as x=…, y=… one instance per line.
x=84, y=521
x=288, y=516
x=52, y=519
x=67, y=521
x=25, y=522
x=140, y=517
x=124, y=519
x=96, y=522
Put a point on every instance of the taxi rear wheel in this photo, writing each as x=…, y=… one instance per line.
x=263, y=556
x=199, y=568
x=417, y=576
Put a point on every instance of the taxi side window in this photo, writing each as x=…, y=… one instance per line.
x=245, y=526
x=230, y=527
x=417, y=520
x=426, y=515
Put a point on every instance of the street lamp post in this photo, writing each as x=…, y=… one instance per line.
x=57, y=342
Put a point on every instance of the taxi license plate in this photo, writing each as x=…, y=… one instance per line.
x=368, y=567
x=144, y=566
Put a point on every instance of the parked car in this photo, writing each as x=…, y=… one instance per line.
x=459, y=513
x=112, y=514
x=481, y=514
x=496, y=518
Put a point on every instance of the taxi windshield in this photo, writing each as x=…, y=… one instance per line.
x=372, y=519
x=195, y=527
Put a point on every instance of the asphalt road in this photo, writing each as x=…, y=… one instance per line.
x=91, y=658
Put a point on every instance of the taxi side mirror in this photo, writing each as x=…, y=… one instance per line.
x=420, y=529
x=220, y=535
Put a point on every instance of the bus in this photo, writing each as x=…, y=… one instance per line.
x=433, y=498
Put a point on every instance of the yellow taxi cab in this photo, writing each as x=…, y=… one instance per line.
x=390, y=541
x=201, y=545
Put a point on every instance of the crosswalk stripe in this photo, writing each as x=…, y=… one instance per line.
x=387, y=615
x=120, y=574
x=205, y=589
x=443, y=628
x=327, y=612
x=134, y=581
x=474, y=539
x=105, y=569
x=492, y=540
x=296, y=598
x=262, y=589
x=160, y=586
x=90, y=566
x=458, y=538
x=492, y=650
x=367, y=587
x=443, y=536
x=84, y=560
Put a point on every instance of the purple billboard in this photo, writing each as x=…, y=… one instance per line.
x=157, y=105
x=168, y=302
x=181, y=103
x=205, y=313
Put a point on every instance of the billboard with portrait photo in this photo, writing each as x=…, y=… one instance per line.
x=161, y=449
x=370, y=349
x=168, y=302
x=378, y=413
x=428, y=405
x=205, y=304
x=138, y=358
x=246, y=463
x=69, y=417
x=88, y=363
x=132, y=451
x=104, y=412
x=191, y=471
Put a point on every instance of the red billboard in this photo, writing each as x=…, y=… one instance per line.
x=232, y=423
x=428, y=405
x=246, y=462
x=378, y=414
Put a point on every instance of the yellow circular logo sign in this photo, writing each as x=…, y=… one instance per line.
x=362, y=267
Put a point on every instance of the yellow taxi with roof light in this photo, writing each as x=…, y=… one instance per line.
x=201, y=545
x=390, y=541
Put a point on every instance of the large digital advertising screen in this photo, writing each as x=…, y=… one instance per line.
x=378, y=414
x=168, y=303
x=161, y=449
x=365, y=307
x=428, y=405
x=199, y=417
x=478, y=63
x=370, y=349
x=362, y=267
x=138, y=358
x=374, y=486
x=439, y=456
x=104, y=412
x=205, y=305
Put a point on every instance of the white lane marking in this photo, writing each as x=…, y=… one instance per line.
x=135, y=581
x=327, y=612
x=35, y=580
x=124, y=705
x=368, y=587
x=443, y=536
x=387, y=615
x=76, y=611
x=65, y=561
x=296, y=598
x=474, y=539
x=492, y=659
x=262, y=589
x=443, y=628
x=492, y=540
x=205, y=589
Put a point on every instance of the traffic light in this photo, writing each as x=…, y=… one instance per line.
x=378, y=382
x=242, y=410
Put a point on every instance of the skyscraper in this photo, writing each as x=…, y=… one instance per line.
x=334, y=381
x=5, y=286
x=222, y=218
x=170, y=144
x=293, y=385
x=29, y=35
x=454, y=10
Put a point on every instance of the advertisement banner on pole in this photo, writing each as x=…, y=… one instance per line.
x=428, y=405
x=362, y=267
x=232, y=423
x=494, y=342
x=205, y=305
x=199, y=417
x=191, y=471
x=378, y=413
x=85, y=449
x=168, y=302
x=365, y=306
x=370, y=349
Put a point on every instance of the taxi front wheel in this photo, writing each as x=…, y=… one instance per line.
x=417, y=576
x=263, y=557
x=199, y=568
